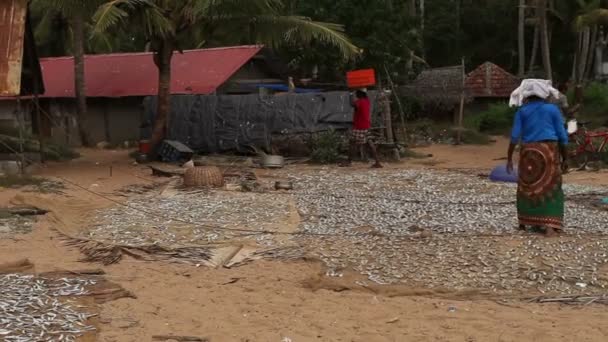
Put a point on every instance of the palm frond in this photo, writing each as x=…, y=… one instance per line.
x=595, y=17
x=70, y=8
x=44, y=30
x=276, y=30
x=208, y=8
x=116, y=13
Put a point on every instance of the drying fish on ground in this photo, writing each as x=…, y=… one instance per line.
x=445, y=230
x=30, y=309
x=420, y=228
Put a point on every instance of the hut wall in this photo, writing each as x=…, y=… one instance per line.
x=112, y=120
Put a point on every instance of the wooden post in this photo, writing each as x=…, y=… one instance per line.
x=106, y=122
x=399, y=104
x=385, y=105
x=19, y=115
x=39, y=124
x=460, y=127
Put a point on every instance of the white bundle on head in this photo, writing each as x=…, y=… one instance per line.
x=532, y=87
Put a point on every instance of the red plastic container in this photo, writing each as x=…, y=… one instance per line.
x=144, y=146
x=361, y=78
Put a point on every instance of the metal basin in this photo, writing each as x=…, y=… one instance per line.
x=272, y=161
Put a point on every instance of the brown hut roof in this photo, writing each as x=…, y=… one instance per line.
x=490, y=80
x=440, y=85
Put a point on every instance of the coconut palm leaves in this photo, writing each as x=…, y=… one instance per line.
x=167, y=23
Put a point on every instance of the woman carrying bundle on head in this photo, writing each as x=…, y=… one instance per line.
x=539, y=128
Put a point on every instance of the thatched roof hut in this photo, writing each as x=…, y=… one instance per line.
x=438, y=86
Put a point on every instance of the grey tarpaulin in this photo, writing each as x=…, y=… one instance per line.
x=211, y=124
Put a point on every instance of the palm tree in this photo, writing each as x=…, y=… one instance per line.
x=541, y=12
x=168, y=23
x=77, y=13
x=521, y=38
x=586, y=25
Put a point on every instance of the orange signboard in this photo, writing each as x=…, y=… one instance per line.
x=361, y=78
x=12, y=32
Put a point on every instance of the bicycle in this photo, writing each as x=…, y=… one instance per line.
x=589, y=146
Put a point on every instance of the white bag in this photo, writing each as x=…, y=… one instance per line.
x=572, y=126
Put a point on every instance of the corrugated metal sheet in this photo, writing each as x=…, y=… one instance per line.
x=197, y=72
x=12, y=31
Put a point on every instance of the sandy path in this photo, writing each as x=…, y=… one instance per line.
x=271, y=300
x=487, y=157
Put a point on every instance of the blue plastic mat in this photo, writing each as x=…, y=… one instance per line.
x=500, y=174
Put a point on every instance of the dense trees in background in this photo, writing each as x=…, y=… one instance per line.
x=385, y=30
x=557, y=39
x=528, y=37
x=70, y=18
x=174, y=25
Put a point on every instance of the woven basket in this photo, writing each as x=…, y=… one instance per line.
x=204, y=176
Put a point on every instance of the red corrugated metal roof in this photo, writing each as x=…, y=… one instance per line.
x=490, y=80
x=135, y=74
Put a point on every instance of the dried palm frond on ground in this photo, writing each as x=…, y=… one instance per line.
x=108, y=253
x=572, y=300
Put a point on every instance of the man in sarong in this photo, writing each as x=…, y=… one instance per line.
x=360, y=135
x=539, y=128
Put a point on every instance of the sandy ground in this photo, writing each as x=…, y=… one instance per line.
x=278, y=301
x=486, y=157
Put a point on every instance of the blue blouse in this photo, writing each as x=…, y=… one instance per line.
x=539, y=121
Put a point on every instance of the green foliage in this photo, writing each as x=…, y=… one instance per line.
x=473, y=137
x=426, y=131
x=384, y=30
x=236, y=21
x=17, y=181
x=497, y=119
x=53, y=31
x=11, y=144
x=595, y=98
x=326, y=147
x=59, y=153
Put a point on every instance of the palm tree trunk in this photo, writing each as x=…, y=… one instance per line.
x=534, y=54
x=412, y=11
x=600, y=43
x=544, y=38
x=422, y=23
x=79, y=78
x=162, y=58
x=591, y=53
x=521, y=38
x=584, y=46
x=577, y=57
x=412, y=7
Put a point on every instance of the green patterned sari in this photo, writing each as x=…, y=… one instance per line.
x=540, y=198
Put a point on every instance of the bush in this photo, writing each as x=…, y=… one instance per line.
x=326, y=147
x=595, y=98
x=18, y=181
x=11, y=144
x=498, y=119
x=472, y=137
